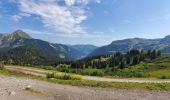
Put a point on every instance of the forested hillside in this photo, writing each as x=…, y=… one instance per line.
x=135, y=63
x=125, y=45
x=19, y=48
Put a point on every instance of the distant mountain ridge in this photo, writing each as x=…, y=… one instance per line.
x=85, y=49
x=162, y=44
x=20, y=48
x=19, y=45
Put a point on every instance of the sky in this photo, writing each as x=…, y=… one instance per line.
x=97, y=22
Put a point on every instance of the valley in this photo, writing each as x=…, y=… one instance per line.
x=84, y=50
x=49, y=71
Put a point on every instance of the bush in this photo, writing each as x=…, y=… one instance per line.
x=50, y=75
x=1, y=66
x=47, y=67
x=93, y=72
x=131, y=72
x=67, y=76
x=98, y=73
x=164, y=77
x=63, y=68
x=58, y=75
x=76, y=77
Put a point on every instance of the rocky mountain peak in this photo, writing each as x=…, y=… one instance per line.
x=20, y=34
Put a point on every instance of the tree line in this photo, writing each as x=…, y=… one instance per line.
x=115, y=61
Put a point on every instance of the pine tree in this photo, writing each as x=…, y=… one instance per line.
x=122, y=65
x=135, y=60
x=153, y=54
x=158, y=53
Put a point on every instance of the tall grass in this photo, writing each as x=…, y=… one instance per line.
x=64, y=76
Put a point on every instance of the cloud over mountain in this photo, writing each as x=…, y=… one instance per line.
x=64, y=16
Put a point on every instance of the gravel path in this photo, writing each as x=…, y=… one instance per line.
x=124, y=80
x=23, y=70
x=12, y=88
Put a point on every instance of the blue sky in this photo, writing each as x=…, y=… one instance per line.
x=97, y=22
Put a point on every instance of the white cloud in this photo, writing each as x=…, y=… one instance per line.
x=70, y=2
x=65, y=18
x=25, y=14
x=91, y=35
x=83, y=2
x=16, y=18
x=29, y=31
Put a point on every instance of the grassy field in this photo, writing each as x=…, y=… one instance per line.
x=158, y=68
x=43, y=71
x=155, y=69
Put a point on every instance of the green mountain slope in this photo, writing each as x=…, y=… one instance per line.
x=134, y=43
x=19, y=45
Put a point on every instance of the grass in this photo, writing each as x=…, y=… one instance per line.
x=154, y=69
x=158, y=73
x=133, y=70
x=158, y=68
x=66, y=76
x=89, y=71
x=147, y=69
x=37, y=70
x=149, y=86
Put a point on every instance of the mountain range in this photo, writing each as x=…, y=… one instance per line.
x=162, y=44
x=84, y=49
x=19, y=46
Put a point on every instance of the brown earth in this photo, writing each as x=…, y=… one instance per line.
x=12, y=88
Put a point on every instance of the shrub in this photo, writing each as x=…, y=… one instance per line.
x=93, y=72
x=47, y=67
x=75, y=70
x=58, y=75
x=164, y=77
x=98, y=73
x=67, y=76
x=1, y=66
x=76, y=77
x=63, y=68
x=50, y=75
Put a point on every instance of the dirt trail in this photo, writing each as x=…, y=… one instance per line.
x=124, y=80
x=12, y=88
x=23, y=70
